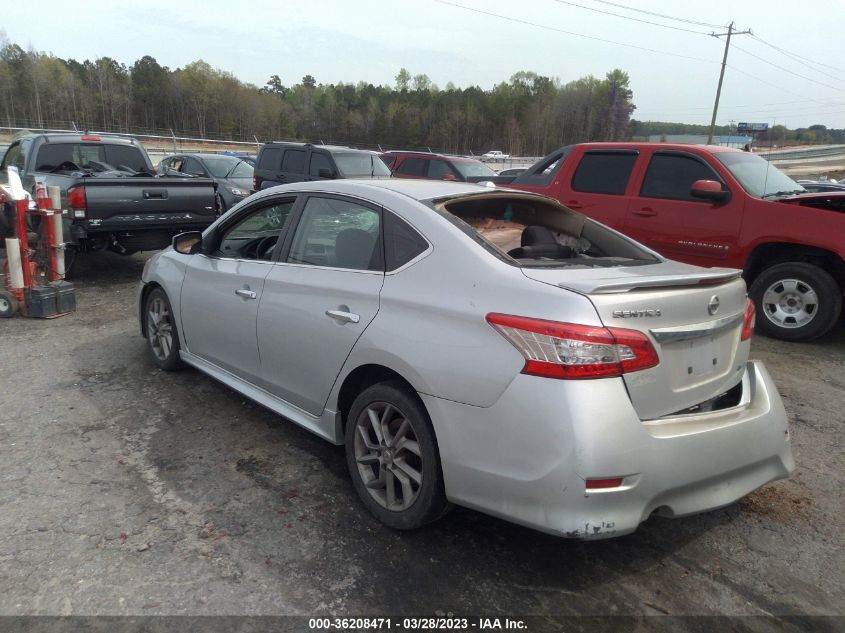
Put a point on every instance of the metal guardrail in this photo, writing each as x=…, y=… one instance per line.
x=805, y=153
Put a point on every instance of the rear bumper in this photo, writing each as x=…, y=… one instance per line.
x=526, y=458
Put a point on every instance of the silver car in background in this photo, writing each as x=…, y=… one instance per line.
x=476, y=346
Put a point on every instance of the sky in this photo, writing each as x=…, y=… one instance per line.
x=673, y=72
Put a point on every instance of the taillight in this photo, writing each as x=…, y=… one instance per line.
x=748, y=321
x=568, y=350
x=77, y=201
x=254, y=184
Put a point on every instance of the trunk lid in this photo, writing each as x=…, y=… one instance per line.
x=693, y=317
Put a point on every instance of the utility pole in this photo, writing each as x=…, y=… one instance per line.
x=722, y=74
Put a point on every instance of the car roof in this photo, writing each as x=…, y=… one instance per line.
x=672, y=146
x=204, y=155
x=329, y=148
x=60, y=137
x=419, y=190
x=416, y=154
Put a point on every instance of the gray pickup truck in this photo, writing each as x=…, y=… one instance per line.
x=114, y=200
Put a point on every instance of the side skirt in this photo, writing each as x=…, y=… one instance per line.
x=326, y=426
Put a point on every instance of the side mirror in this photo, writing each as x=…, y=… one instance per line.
x=710, y=190
x=449, y=177
x=325, y=173
x=187, y=243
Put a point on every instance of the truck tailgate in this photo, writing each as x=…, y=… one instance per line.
x=120, y=204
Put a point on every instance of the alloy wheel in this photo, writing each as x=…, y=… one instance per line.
x=159, y=328
x=388, y=456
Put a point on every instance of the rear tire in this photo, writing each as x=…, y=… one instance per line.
x=393, y=459
x=162, y=335
x=796, y=301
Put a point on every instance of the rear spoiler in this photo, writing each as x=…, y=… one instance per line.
x=614, y=286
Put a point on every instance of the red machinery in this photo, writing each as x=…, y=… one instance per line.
x=32, y=274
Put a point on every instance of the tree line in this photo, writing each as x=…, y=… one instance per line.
x=529, y=114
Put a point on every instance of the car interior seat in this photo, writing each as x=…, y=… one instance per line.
x=538, y=242
x=354, y=248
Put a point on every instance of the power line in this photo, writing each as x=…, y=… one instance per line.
x=627, y=17
x=786, y=70
x=769, y=83
x=660, y=15
x=573, y=33
x=796, y=56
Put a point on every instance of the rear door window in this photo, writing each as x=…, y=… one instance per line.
x=271, y=159
x=338, y=233
x=604, y=172
x=192, y=167
x=671, y=176
x=412, y=167
x=294, y=161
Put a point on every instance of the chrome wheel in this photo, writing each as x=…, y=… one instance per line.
x=790, y=303
x=388, y=456
x=159, y=328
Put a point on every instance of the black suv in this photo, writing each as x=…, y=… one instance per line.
x=280, y=163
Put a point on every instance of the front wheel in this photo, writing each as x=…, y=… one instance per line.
x=8, y=304
x=796, y=301
x=393, y=459
x=162, y=337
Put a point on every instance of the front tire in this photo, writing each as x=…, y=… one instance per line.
x=796, y=301
x=162, y=335
x=393, y=459
x=8, y=304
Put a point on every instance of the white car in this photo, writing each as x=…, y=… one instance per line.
x=495, y=155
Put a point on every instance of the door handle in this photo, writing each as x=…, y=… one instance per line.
x=644, y=212
x=343, y=317
x=574, y=204
x=246, y=293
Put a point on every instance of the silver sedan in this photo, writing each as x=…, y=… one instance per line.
x=476, y=346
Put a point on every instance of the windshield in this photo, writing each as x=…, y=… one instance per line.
x=227, y=167
x=470, y=169
x=359, y=164
x=758, y=176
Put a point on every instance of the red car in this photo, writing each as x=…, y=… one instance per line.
x=436, y=166
x=713, y=206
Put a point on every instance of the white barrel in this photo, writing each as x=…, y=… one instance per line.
x=55, y=193
x=56, y=219
x=13, y=257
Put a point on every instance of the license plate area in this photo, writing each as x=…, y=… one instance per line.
x=696, y=361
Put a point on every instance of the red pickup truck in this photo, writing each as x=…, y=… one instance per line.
x=713, y=206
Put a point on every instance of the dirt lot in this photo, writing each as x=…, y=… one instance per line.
x=126, y=490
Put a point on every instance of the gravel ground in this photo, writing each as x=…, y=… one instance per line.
x=126, y=490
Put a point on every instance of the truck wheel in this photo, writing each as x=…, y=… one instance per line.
x=162, y=336
x=796, y=301
x=8, y=304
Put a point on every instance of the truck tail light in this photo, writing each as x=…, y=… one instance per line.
x=748, y=321
x=571, y=351
x=76, y=201
x=254, y=184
